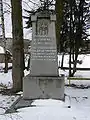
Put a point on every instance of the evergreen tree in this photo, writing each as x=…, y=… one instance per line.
x=73, y=32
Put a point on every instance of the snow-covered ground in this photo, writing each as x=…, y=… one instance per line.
x=77, y=99
x=75, y=107
x=85, y=64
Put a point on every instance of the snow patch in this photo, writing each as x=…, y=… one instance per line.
x=1, y=50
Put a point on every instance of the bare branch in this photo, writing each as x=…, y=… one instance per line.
x=7, y=5
x=34, y=3
x=27, y=4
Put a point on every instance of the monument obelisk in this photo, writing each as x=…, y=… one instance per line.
x=44, y=80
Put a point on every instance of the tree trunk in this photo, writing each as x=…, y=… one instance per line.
x=62, y=60
x=59, y=17
x=18, y=45
x=70, y=40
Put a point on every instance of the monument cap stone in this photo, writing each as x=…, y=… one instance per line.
x=53, y=17
x=33, y=18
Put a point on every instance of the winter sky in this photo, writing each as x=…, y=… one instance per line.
x=7, y=15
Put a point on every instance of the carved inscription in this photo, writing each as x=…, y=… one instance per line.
x=43, y=49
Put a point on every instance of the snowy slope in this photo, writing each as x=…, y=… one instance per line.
x=75, y=107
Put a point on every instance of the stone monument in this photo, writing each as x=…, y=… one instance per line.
x=44, y=80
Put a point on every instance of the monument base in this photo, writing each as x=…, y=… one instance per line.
x=36, y=87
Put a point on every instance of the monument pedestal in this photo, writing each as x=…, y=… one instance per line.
x=35, y=87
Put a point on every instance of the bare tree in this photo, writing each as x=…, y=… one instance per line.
x=3, y=36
